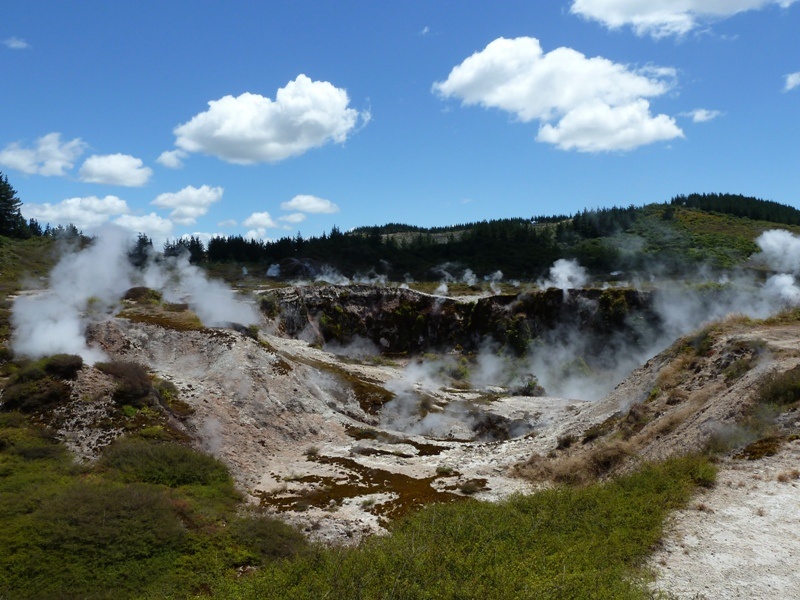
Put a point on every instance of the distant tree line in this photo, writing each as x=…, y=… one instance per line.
x=14, y=225
x=741, y=206
x=522, y=248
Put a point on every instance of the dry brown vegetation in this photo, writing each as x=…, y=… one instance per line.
x=722, y=389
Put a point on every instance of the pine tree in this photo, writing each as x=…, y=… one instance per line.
x=11, y=222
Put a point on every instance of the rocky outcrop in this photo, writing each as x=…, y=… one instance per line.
x=399, y=320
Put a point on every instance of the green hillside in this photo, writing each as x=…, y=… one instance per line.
x=713, y=230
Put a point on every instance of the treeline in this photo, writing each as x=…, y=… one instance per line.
x=741, y=206
x=520, y=248
x=14, y=225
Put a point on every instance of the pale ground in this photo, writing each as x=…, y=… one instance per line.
x=741, y=539
x=261, y=410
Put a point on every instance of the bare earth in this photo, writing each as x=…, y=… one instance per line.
x=740, y=539
x=282, y=416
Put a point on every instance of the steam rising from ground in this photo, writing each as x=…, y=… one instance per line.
x=87, y=285
x=560, y=361
x=565, y=275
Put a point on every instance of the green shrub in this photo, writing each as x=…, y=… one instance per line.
x=164, y=463
x=143, y=294
x=267, y=538
x=133, y=383
x=29, y=371
x=63, y=366
x=31, y=396
x=782, y=389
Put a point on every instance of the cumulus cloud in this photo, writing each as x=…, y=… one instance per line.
x=662, y=18
x=297, y=217
x=259, y=220
x=154, y=226
x=189, y=203
x=701, y=115
x=250, y=128
x=16, y=43
x=310, y=204
x=259, y=233
x=227, y=223
x=84, y=213
x=172, y=159
x=792, y=81
x=49, y=157
x=115, y=169
x=585, y=104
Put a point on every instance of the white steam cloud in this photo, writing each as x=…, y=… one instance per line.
x=565, y=275
x=87, y=284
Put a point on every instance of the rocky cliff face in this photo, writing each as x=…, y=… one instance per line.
x=400, y=320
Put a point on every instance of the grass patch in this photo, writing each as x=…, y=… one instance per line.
x=163, y=463
x=173, y=317
x=563, y=543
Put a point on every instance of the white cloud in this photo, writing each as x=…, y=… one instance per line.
x=792, y=81
x=152, y=225
x=425, y=30
x=49, y=157
x=16, y=44
x=701, y=115
x=259, y=220
x=297, y=217
x=662, y=18
x=227, y=223
x=586, y=104
x=115, y=169
x=257, y=234
x=250, y=128
x=172, y=159
x=84, y=213
x=310, y=204
x=189, y=203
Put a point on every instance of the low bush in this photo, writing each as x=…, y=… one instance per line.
x=32, y=396
x=134, y=386
x=63, y=366
x=142, y=294
x=267, y=538
x=164, y=463
x=781, y=389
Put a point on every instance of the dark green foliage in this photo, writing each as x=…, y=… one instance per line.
x=163, y=463
x=63, y=366
x=141, y=251
x=134, y=386
x=34, y=391
x=86, y=532
x=11, y=222
x=193, y=247
x=267, y=538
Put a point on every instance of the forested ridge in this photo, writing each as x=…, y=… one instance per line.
x=716, y=229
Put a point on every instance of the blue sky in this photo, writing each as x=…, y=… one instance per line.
x=272, y=118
